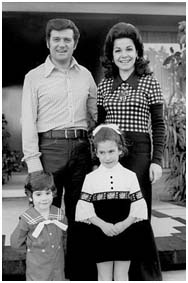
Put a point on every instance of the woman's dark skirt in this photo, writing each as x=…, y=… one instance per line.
x=138, y=160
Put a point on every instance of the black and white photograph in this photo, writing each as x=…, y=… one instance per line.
x=94, y=141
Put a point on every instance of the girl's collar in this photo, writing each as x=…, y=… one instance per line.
x=114, y=168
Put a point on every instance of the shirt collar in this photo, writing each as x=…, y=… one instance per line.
x=33, y=216
x=49, y=66
x=110, y=170
x=132, y=80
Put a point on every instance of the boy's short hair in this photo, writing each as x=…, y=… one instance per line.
x=39, y=182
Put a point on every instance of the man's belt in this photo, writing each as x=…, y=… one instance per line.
x=64, y=134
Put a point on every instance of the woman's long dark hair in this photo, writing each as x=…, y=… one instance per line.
x=123, y=30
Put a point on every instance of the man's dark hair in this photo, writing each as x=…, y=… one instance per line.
x=61, y=24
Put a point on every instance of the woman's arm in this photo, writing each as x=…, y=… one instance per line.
x=158, y=132
x=158, y=136
x=101, y=115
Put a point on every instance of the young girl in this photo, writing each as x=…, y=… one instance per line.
x=112, y=203
x=40, y=231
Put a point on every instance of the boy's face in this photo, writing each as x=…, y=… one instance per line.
x=42, y=200
x=108, y=153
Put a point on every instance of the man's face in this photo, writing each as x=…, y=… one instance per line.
x=61, y=45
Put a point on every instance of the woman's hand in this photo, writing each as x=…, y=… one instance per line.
x=155, y=172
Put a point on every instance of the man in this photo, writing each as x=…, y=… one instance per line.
x=58, y=104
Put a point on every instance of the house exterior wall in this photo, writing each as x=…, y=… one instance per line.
x=148, y=8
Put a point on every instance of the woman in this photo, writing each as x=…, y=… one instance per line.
x=131, y=97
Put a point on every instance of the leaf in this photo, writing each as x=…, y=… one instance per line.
x=171, y=49
x=168, y=60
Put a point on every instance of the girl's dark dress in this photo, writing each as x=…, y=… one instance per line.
x=113, y=194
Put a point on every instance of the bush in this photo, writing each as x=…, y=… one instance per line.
x=175, y=119
x=11, y=159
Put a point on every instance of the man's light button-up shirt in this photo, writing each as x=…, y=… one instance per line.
x=54, y=100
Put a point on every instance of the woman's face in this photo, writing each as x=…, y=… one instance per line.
x=124, y=54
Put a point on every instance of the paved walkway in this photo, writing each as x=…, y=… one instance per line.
x=168, y=222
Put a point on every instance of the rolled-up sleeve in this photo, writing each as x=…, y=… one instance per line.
x=92, y=99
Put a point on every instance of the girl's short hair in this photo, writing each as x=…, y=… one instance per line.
x=124, y=30
x=40, y=182
x=108, y=134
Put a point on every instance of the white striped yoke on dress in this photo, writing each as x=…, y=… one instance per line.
x=116, y=182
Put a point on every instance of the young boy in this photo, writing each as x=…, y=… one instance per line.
x=40, y=231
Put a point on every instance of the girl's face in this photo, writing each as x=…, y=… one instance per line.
x=108, y=153
x=124, y=54
x=42, y=200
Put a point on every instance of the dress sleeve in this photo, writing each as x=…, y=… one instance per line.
x=158, y=132
x=100, y=93
x=138, y=203
x=19, y=235
x=156, y=102
x=85, y=208
x=101, y=115
x=155, y=95
x=100, y=105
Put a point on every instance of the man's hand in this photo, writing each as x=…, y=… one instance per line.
x=36, y=173
x=33, y=175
